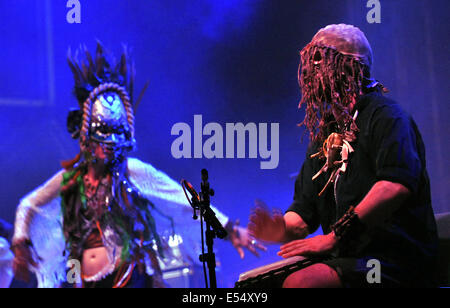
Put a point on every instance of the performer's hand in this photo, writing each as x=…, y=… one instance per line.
x=266, y=226
x=240, y=238
x=318, y=245
x=23, y=258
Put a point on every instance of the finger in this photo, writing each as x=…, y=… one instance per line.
x=254, y=234
x=253, y=250
x=293, y=248
x=251, y=232
x=259, y=219
x=277, y=212
x=261, y=204
x=262, y=212
x=241, y=252
x=255, y=229
x=254, y=243
x=278, y=219
x=252, y=229
x=298, y=251
x=261, y=246
x=305, y=252
x=251, y=226
x=293, y=243
x=255, y=219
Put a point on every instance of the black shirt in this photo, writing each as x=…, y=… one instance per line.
x=388, y=147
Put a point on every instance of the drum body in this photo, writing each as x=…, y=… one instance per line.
x=272, y=275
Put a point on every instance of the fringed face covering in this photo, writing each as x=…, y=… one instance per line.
x=332, y=73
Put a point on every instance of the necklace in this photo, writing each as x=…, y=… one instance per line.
x=336, y=149
x=98, y=195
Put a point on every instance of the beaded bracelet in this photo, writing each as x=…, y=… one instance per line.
x=349, y=227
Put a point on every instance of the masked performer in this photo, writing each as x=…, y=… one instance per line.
x=100, y=209
x=364, y=180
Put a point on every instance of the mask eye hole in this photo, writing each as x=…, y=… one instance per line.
x=104, y=129
x=317, y=58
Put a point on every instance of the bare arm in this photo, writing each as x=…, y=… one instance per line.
x=276, y=228
x=31, y=203
x=383, y=199
x=26, y=211
x=296, y=228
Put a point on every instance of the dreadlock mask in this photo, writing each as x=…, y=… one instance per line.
x=105, y=118
x=333, y=72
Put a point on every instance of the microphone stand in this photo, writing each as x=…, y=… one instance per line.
x=213, y=228
x=202, y=203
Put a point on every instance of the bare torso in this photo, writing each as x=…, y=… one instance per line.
x=94, y=260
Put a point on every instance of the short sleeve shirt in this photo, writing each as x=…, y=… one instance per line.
x=388, y=147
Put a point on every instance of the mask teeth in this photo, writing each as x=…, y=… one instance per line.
x=87, y=106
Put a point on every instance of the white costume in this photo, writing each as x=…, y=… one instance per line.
x=6, y=259
x=39, y=218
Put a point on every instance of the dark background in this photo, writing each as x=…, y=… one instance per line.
x=231, y=61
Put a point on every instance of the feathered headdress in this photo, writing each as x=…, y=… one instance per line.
x=90, y=72
x=94, y=75
x=104, y=91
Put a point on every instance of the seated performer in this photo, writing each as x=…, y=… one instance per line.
x=99, y=210
x=364, y=180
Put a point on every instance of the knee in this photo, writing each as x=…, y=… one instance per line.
x=298, y=279
x=314, y=276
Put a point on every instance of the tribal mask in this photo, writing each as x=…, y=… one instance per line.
x=109, y=121
x=106, y=114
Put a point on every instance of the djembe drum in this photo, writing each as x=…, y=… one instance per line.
x=272, y=275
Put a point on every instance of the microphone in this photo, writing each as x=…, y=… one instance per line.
x=207, y=192
x=207, y=212
x=191, y=190
x=205, y=175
